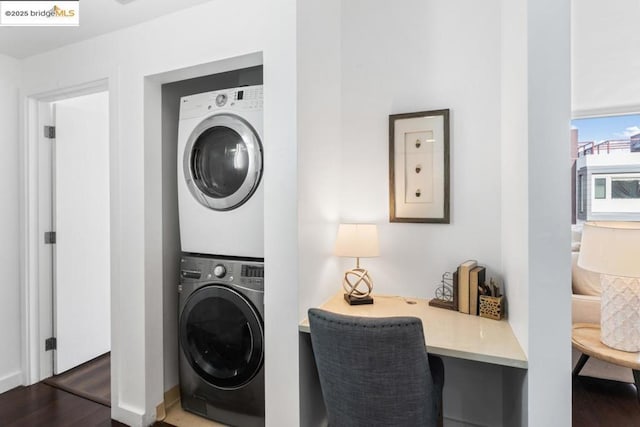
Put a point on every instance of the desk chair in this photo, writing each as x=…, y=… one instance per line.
x=376, y=371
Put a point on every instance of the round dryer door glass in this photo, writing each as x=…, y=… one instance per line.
x=223, y=162
x=222, y=336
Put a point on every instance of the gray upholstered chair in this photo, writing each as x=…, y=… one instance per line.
x=376, y=371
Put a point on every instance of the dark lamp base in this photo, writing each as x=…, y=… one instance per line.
x=358, y=301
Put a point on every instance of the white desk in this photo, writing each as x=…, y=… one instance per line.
x=447, y=332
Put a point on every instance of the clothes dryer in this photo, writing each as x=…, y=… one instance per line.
x=221, y=336
x=220, y=165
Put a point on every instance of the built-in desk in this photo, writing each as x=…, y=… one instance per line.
x=447, y=332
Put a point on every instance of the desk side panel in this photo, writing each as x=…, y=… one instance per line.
x=473, y=393
x=514, y=397
x=312, y=410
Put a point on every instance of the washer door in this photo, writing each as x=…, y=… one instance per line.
x=223, y=162
x=221, y=336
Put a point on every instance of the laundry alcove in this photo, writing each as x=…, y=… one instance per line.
x=162, y=101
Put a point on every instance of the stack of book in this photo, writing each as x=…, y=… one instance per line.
x=467, y=285
x=471, y=284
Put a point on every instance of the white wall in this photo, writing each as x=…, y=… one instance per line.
x=412, y=56
x=319, y=178
x=537, y=202
x=514, y=184
x=604, y=54
x=10, y=356
x=319, y=150
x=126, y=57
x=281, y=212
x=549, y=102
x=416, y=55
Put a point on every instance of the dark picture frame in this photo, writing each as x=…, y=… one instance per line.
x=419, y=167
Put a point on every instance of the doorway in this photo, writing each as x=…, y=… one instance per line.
x=73, y=262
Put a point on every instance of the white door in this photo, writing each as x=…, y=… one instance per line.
x=81, y=217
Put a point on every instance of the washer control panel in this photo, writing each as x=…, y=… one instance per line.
x=240, y=272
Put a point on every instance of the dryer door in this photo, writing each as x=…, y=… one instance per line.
x=223, y=162
x=221, y=336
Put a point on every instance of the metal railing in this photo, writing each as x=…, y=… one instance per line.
x=604, y=147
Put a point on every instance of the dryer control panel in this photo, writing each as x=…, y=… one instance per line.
x=248, y=98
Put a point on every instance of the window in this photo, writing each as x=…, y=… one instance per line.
x=607, y=134
x=600, y=188
x=582, y=193
x=606, y=167
x=624, y=188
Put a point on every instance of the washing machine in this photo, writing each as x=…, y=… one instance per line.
x=221, y=336
x=220, y=164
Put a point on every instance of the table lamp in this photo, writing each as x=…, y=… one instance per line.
x=357, y=241
x=611, y=249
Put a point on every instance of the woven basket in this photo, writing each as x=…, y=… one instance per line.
x=492, y=307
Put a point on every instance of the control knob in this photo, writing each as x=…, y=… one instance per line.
x=219, y=271
x=221, y=100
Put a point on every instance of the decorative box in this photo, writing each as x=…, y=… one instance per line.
x=492, y=307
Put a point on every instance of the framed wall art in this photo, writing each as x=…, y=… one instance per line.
x=419, y=167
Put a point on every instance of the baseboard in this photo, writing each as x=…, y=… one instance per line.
x=452, y=422
x=171, y=397
x=10, y=381
x=161, y=412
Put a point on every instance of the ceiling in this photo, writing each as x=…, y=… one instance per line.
x=96, y=17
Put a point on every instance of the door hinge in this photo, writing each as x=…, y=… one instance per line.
x=50, y=132
x=49, y=237
x=50, y=344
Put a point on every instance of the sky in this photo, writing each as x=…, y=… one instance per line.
x=605, y=128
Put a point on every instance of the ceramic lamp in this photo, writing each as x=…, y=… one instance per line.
x=611, y=249
x=357, y=241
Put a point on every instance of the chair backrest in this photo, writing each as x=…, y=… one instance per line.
x=373, y=371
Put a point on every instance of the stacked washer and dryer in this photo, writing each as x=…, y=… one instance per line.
x=221, y=215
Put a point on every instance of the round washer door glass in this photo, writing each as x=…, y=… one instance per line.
x=223, y=162
x=222, y=336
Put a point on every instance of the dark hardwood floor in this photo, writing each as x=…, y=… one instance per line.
x=91, y=380
x=603, y=403
x=596, y=403
x=41, y=405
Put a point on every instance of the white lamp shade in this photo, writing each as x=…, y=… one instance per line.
x=357, y=241
x=611, y=248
